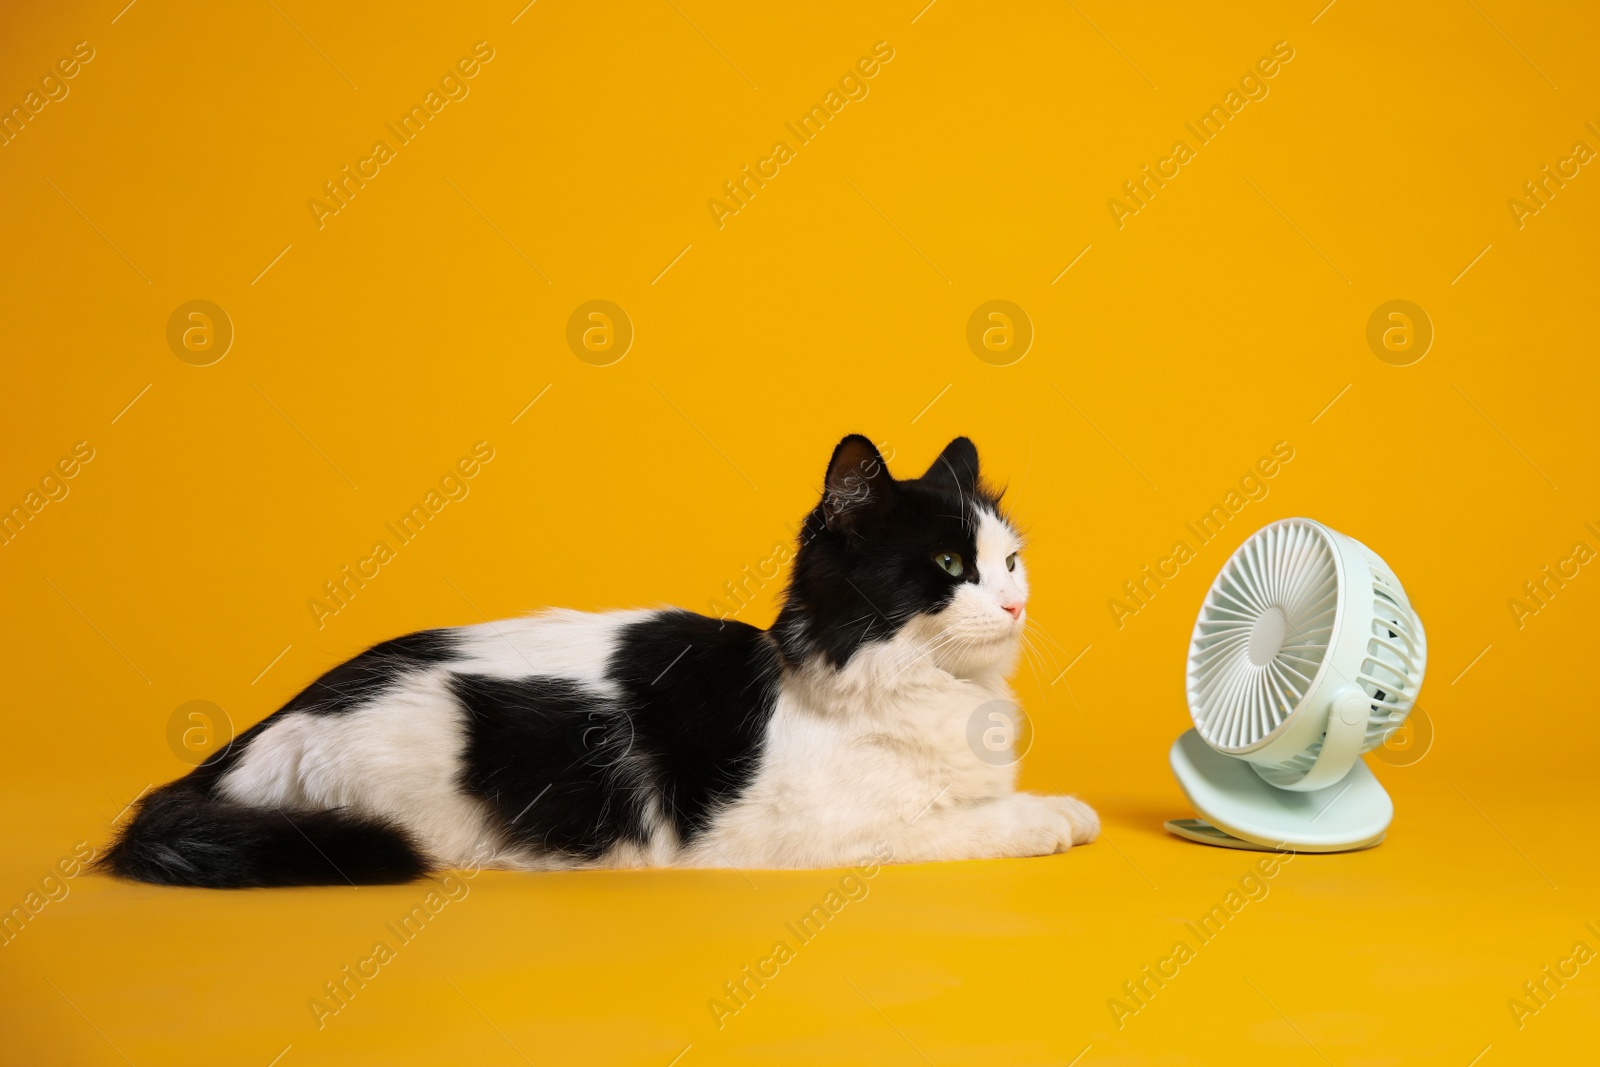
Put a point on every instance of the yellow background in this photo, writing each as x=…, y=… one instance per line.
x=1224, y=317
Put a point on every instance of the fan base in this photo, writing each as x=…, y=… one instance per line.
x=1203, y=832
x=1242, y=811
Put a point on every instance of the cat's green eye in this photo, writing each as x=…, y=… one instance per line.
x=1011, y=562
x=950, y=563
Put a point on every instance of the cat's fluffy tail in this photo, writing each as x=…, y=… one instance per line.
x=181, y=835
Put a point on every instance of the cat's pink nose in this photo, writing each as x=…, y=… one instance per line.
x=1014, y=610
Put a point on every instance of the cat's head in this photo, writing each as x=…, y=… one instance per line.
x=932, y=560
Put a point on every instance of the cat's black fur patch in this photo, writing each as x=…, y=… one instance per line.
x=865, y=562
x=356, y=681
x=549, y=758
x=180, y=835
x=567, y=769
x=699, y=694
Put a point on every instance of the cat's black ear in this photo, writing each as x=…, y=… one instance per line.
x=956, y=467
x=858, y=484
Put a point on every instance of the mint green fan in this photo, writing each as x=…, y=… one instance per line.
x=1306, y=654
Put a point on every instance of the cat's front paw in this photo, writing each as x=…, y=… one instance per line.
x=1085, y=823
x=1038, y=826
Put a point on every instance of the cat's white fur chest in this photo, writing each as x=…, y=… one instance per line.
x=885, y=742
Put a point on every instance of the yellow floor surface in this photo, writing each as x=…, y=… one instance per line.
x=1415, y=952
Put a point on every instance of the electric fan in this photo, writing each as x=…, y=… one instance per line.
x=1305, y=655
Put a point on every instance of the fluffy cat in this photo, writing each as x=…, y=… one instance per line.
x=656, y=738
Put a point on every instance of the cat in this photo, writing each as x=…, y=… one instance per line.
x=657, y=738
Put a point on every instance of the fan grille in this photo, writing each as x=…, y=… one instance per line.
x=1397, y=654
x=1262, y=634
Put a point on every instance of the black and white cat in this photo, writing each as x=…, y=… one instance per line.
x=656, y=738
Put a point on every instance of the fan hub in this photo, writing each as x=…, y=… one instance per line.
x=1266, y=637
